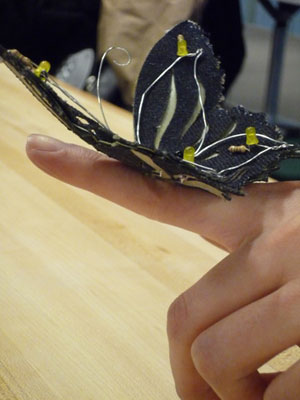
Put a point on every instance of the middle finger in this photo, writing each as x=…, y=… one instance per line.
x=236, y=281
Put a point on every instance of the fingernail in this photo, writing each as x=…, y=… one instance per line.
x=44, y=143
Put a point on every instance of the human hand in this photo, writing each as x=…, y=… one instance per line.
x=242, y=312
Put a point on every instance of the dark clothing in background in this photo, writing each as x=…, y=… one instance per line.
x=53, y=29
x=48, y=29
x=222, y=20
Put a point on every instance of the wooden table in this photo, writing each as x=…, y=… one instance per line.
x=84, y=284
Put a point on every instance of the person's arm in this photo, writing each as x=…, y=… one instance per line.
x=242, y=312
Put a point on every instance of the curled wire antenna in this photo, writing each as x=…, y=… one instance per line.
x=100, y=72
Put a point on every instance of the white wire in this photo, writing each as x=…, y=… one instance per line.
x=100, y=72
x=206, y=127
x=236, y=136
x=251, y=159
x=197, y=53
x=69, y=96
x=199, y=151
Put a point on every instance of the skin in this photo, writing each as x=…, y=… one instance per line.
x=242, y=312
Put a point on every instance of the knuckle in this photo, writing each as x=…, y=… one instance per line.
x=286, y=233
x=203, y=354
x=288, y=299
x=277, y=253
x=177, y=317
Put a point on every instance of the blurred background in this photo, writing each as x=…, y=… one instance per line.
x=251, y=85
x=242, y=32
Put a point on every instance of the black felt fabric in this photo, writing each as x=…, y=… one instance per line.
x=160, y=58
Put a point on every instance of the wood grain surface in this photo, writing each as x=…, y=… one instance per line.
x=84, y=284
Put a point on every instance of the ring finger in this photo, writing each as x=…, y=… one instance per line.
x=229, y=352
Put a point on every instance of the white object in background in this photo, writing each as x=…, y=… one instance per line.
x=76, y=68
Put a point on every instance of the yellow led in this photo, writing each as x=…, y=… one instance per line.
x=189, y=154
x=251, y=137
x=44, y=66
x=181, y=46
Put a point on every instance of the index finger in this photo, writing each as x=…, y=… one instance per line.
x=223, y=222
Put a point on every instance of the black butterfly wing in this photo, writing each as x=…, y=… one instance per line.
x=80, y=121
x=169, y=116
x=73, y=115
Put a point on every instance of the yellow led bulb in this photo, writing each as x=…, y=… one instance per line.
x=44, y=66
x=37, y=72
x=189, y=154
x=251, y=137
x=181, y=46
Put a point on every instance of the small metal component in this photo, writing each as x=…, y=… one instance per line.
x=238, y=149
x=182, y=178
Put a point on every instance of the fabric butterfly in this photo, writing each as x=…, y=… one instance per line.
x=182, y=132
